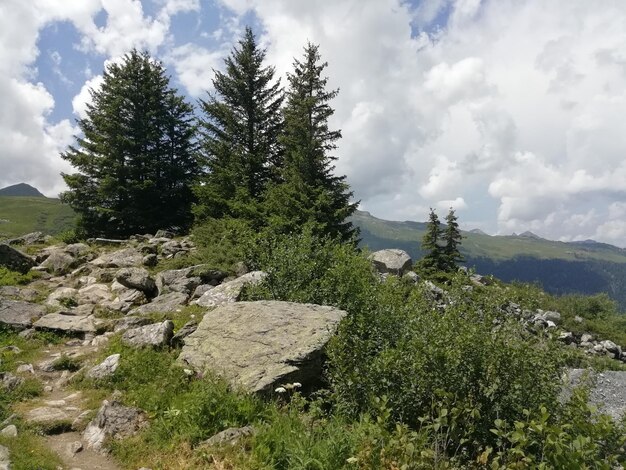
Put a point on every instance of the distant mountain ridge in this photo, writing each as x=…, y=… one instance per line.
x=21, y=190
x=586, y=267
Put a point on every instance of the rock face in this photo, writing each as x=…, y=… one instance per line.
x=163, y=303
x=15, y=260
x=59, y=262
x=391, y=261
x=19, y=315
x=259, y=345
x=156, y=335
x=106, y=368
x=113, y=420
x=67, y=323
x=137, y=278
x=608, y=390
x=125, y=258
x=229, y=291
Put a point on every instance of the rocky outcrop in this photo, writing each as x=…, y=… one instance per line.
x=19, y=315
x=32, y=238
x=115, y=421
x=229, y=291
x=15, y=260
x=126, y=258
x=162, y=304
x=259, y=345
x=137, y=278
x=106, y=368
x=391, y=261
x=67, y=323
x=155, y=335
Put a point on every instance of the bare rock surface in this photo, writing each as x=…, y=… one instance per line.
x=163, y=303
x=14, y=259
x=19, y=315
x=106, y=368
x=391, y=261
x=137, y=278
x=113, y=420
x=229, y=291
x=259, y=345
x=68, y=323
x=126, y=258
x=229, y=436
x=156, y=335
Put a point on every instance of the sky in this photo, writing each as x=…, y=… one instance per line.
x=510, y=111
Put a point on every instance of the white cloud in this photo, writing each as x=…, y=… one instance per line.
x=194, y=67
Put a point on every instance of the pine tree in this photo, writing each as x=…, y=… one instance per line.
x=434, y=259
x=135, y=157
x=308, y=191
x=452, y=238
x=240, y=131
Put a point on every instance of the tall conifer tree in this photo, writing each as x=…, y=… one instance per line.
x=433, y=260
x=452, y=238
x=240, y=129
x=135, y=158
x=308, y=191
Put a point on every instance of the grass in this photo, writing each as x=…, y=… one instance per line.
x=28, y=452
x=12, y=278
x=20, y=215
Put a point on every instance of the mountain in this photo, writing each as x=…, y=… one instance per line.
x=22, y=214
x=585, y=267
x=21, y=189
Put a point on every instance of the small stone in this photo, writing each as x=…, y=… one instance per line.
x=9, y=431
x=106, y=368
x=24, y=368
x=74, y=447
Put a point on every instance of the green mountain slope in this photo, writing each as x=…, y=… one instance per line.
x=20, y=215
x=21, y=189
x=578, y=267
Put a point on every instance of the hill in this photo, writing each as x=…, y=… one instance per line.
x=586, y=267
x=22, y=214
x=21, y=189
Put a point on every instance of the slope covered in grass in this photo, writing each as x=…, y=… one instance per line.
x=20, y=215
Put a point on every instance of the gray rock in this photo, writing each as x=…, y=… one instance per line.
x=611, y=348
x=9, y=381
x=59, y=262
x=391, y=261
x=68, y=323
x=229, y=436
x=162, y=304
x=19, y=315
x=566, y=337
x=186, y=330
x=437, y=292
x=25, y=369
x=94, y=294
x=62, y=297
x=77, y=249
x=586, y=338
x=156, y=335
x=258, y=345
x=9, y=431
x=481, y=280
x=125, y=258
x=411, y=276
x=5, y=461
x=73, y=448
x=113, y=420
x=608, y=389
x=552, y=316
x=33, y=238
x=46, y=415
x=170, y=248
x=106, y=368
x=15, y=260
x=177, y=280
x=201, y=290
x=137, y=278
x=9, y=291
x=150, y=260
x=229, y=291
x=164, y=234
x=131, y=322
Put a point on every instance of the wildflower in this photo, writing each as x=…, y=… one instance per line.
x=352, y=460
x=280, y=390
x=296, y=385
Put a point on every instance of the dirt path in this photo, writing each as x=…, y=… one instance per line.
x=63, y=413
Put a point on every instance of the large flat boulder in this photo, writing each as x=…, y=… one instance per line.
x=229, y=291
x=391, y=261
x=15, y=260
x=260, y=345
x=19, y=315
x=162, y=304
x=155, y=335
x=126, y=258
x=68, y=323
